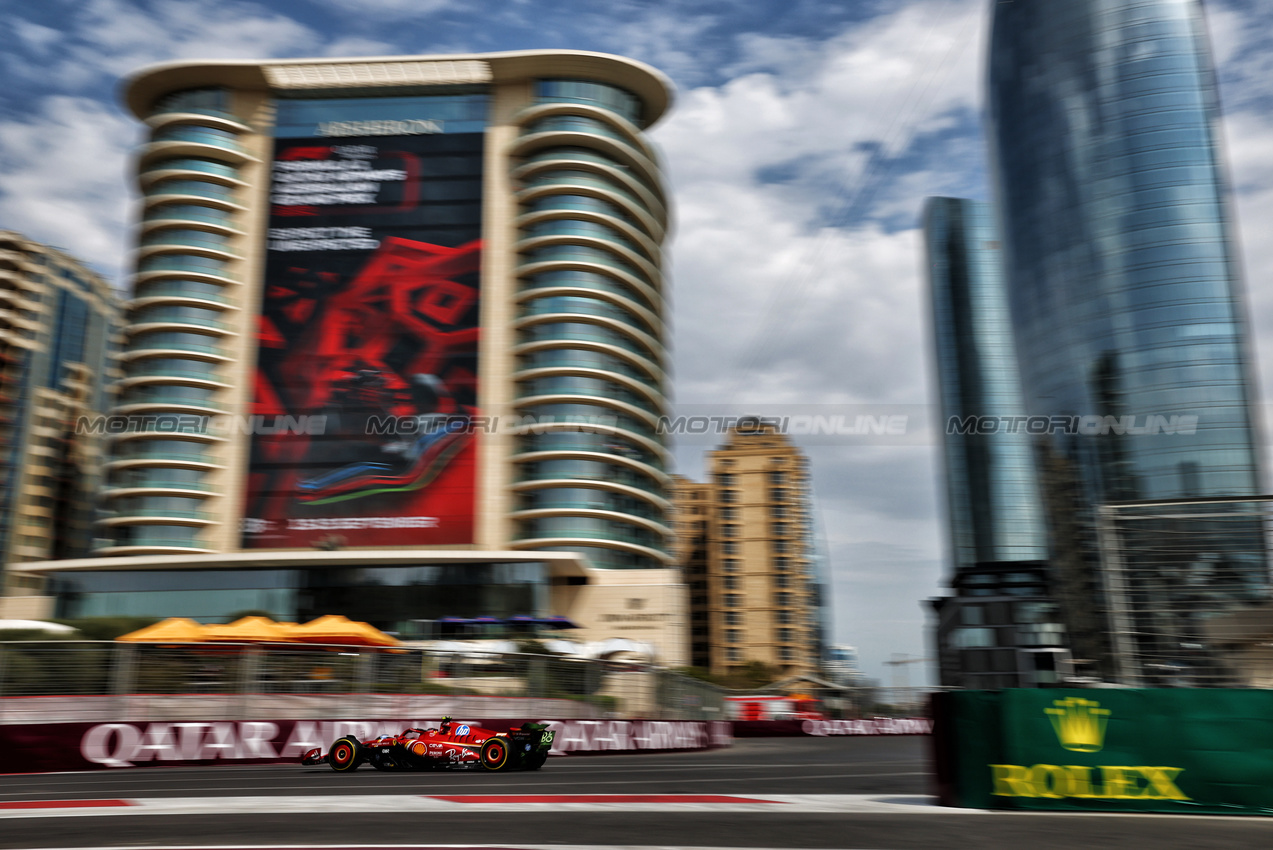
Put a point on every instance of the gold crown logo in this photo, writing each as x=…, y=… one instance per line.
x=1079, y=723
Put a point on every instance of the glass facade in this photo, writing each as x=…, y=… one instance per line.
x=590, y=326
x=188, y=251
x=56, y=349
x=1124, y=287
x=991, y=492
x=388, y=597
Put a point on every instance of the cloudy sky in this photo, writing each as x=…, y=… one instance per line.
x=804, y=138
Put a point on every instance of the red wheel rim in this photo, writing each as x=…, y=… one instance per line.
x=342, y=753
x=497, y=753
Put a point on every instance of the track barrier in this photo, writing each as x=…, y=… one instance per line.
x=1178, y=751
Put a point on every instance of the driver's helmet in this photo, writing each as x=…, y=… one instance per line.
x=446, y=723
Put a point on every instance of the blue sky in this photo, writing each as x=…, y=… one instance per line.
x=804, y=138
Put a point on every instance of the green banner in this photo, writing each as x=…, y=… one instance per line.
x=1179, y=751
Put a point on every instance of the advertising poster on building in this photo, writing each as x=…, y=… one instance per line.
x=366, y=378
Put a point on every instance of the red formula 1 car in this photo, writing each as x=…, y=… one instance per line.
x=453, y=745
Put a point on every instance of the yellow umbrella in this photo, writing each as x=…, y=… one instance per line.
x=174, y=629
x=333, y=628
x=251, y=630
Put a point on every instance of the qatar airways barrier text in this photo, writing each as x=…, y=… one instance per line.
x=86, y=746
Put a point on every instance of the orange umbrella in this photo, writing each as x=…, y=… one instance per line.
x=174, y=629
x=251, y=630
x=334, y=628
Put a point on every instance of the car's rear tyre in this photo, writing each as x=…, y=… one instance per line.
x=346, y=754
x=494, y=754
x=534, y=761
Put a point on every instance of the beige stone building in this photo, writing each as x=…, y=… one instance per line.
x=57, y=318
x=747, y=554
x=410, y=308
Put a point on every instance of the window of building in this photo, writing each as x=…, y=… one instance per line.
x=784, y=635
x=733, y=653
x=729, y=565
x=729, y=530
x=787, y=653
x=729, y=547
x=783, y=617
x=782, y=599
x=782, y=562
x=778, y=510
x=210, y=101
x=729, y=513
x=733, y=600
x=777, y=494
x=782, y=545
x=725, y=479
x=781, y=529
x=733, y=618
x=969, y=638
x=699, y=631
x=733, y=636
x=777, y=478
x=732, y=582
x=782, y=580
x=727, y=496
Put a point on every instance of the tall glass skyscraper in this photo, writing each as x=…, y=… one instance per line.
x=992, y=498
x=999, y=629
x=1124, y=285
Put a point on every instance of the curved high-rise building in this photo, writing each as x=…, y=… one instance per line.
x=397, y=304
x=1118, y=244
x=1124, y=284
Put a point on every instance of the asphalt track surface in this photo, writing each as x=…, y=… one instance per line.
x=845, y=793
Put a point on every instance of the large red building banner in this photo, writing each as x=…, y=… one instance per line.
x=366, y=380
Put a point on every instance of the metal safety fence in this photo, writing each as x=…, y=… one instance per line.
x=1175, y=574
x=57, y=681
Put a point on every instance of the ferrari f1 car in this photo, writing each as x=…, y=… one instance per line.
x=453, y=745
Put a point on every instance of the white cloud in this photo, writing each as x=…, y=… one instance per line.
x=63, y=172
x=394, y=9
x=774, y=307
x=37, y=37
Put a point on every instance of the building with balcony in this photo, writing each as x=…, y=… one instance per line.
x=396, y=305
x=745, y=541
x=58, y=320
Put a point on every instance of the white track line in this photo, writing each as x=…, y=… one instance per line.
x=398, y=803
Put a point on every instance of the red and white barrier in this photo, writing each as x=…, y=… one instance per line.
x=39, y=748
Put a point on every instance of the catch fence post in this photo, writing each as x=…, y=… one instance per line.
x=366, y=670
x=249, y=671
x=123, y=677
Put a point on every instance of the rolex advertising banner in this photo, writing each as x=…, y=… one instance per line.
x=367, y=376
x=1185, y=751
